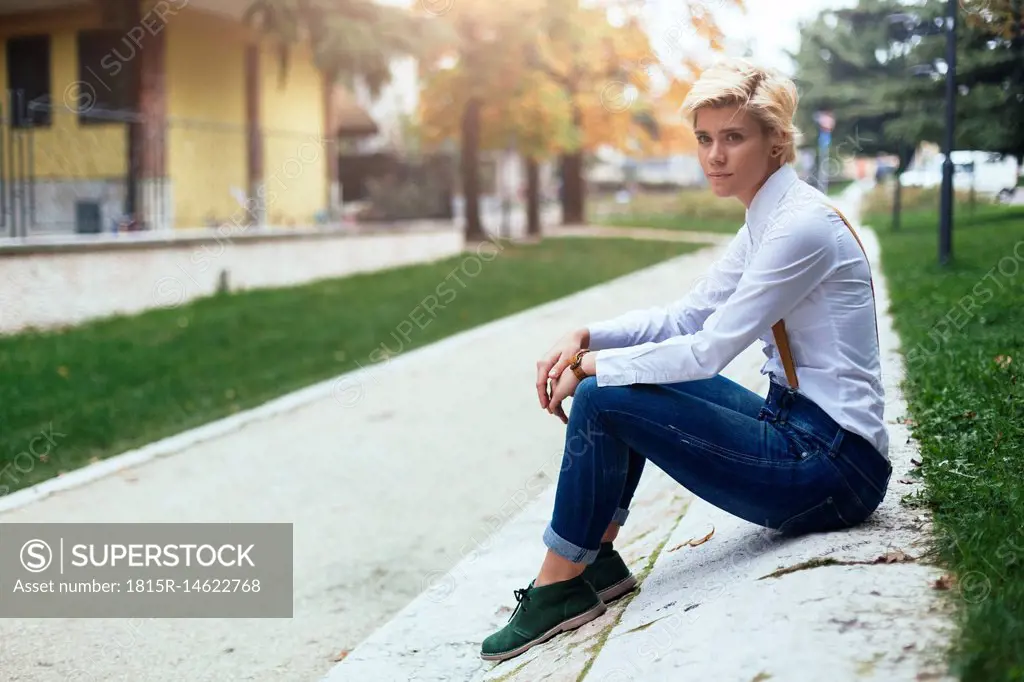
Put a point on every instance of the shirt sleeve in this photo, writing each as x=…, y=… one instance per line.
x=684, y=316
x=789, y=264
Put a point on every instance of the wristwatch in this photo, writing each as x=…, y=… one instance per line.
x=576, y=362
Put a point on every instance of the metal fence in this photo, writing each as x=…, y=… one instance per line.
x=65, y=172
x=17, y=190
x=62, y=172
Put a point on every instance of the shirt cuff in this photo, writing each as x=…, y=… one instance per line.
x=611, y=367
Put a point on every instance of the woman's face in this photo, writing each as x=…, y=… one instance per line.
x=734, y=151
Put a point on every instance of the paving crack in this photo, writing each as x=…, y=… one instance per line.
x=641, y=575
x=818, y=562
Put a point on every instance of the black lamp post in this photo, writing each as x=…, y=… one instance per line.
x=946, y=208
x=946, y=25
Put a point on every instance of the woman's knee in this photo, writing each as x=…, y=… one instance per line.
x=585, y=389
x=584, y=399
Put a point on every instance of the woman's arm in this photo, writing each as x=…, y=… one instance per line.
x=685, y=316
x=785, y=269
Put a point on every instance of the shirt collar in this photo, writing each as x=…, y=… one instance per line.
x=769, y=196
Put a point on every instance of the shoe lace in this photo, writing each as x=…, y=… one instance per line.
x=522, y=597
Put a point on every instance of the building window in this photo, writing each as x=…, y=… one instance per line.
x=105, y=70
x=28, y=81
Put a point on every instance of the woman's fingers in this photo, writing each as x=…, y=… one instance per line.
x=543, y=367
x=559, y=366
x=550, y=369
x=559, y=392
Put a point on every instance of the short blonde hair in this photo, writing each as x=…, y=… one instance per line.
x=764, y=93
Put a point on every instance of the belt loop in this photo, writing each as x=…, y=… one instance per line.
x=786, y=402
x=837, y=443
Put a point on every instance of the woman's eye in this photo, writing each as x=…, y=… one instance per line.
x=734, y=137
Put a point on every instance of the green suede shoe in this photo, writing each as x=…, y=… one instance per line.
x=542, y=613
x=609, y=575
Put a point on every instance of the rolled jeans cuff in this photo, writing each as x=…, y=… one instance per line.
x=620, y=516
x=567, y=550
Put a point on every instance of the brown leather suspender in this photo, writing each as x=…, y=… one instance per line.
x=779, y=328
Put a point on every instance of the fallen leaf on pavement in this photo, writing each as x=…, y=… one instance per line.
x=915, y=462
x=945, y=582
x=893, y=556
x=906, y=481
x=695, y=543
x=341, y=656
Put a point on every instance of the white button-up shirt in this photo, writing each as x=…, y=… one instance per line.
x=793, y=259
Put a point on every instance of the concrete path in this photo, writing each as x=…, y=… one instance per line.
x=721, y=599
x=391, y=477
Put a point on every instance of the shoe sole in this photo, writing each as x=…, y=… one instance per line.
x=613, y=592
x=565, y=626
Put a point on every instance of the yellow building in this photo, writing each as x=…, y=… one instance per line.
x=154, y=115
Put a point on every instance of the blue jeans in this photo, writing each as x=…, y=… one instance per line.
x=780, y=462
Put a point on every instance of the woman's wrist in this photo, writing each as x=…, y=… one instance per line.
x=589, y=364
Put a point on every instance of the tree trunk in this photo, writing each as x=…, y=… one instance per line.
x=533, y=227
x=470, y=169
x=572, y=189
x=896, y=200
x=573, y=184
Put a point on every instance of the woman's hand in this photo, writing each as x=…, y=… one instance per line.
x=566, y=384
x=554, y=362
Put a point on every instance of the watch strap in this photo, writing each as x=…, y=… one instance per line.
x=577, y=361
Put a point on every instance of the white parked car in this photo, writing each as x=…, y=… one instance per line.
x=985, y=171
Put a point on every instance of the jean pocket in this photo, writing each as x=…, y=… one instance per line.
x=822, y=516
x=801, y=446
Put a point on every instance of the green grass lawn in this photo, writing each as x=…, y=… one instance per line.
x=89, y=392
x=697, y=210
x=670, y=221
x=837, y=187
x=962, y=329
x=693, y=210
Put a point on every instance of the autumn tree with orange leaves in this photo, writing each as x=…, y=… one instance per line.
x=480, y=90
x=561, y=79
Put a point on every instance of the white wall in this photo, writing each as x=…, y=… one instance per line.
x=49, y=284
x=398, y=99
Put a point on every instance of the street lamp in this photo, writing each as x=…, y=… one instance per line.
x=946, y=209
x=947, y=25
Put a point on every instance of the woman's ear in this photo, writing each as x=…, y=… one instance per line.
x=778, y=144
